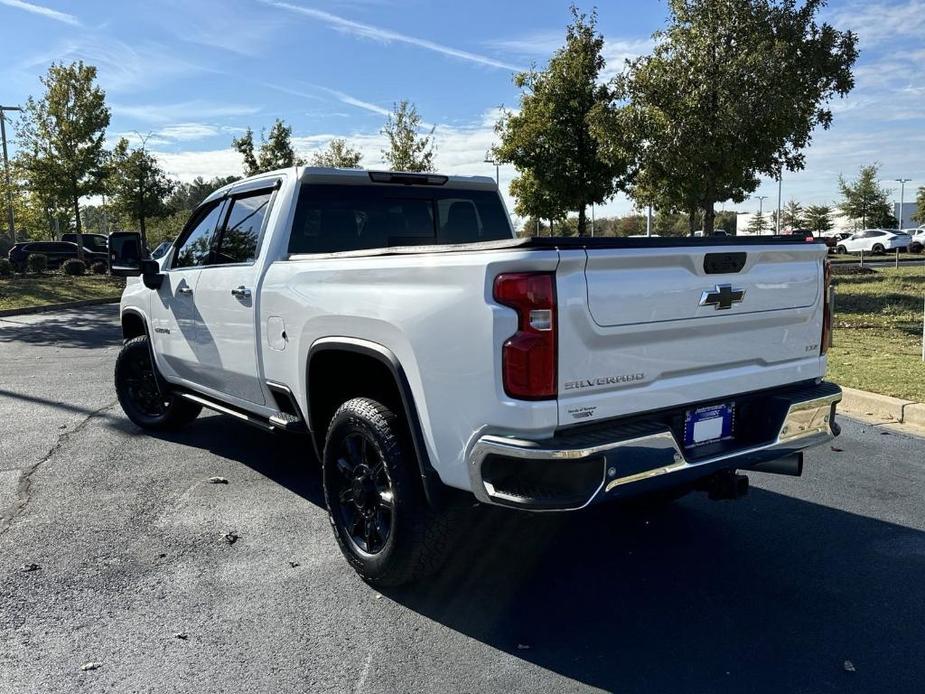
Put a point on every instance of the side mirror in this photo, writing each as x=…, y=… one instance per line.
x=125, y=253
x=128, y=258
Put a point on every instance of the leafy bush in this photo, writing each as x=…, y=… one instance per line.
x=6, y=267
x=74, y=267
x=37, y=262
x=99, y=268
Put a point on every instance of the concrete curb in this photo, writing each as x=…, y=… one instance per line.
x=58, y=307
x=877, y=407
x=862, y=402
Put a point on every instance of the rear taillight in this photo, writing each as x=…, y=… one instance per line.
x=528, y=358
x=828, y=307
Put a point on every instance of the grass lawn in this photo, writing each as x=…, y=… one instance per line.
x=878, y=332
x=23, y=291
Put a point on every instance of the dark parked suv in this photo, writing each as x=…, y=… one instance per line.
x=98, y=243
x=56, y=252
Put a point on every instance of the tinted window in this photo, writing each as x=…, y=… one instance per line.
x=51, y=247
x=196, y=247
x=332, y=218
x=238, y=243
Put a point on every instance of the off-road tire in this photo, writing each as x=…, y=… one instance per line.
x=134, y=373
x=419, y=538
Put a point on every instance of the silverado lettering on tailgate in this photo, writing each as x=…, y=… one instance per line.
x=604, y=381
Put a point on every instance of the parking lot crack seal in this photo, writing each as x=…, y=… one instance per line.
x=24, y=487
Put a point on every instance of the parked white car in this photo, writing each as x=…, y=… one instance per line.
x=917, y=239
x=874, y=241
x=432, y=359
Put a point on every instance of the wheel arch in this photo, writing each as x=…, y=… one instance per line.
x=327, y=357
x=134, y=324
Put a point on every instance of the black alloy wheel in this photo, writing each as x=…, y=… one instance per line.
x=143, y=394
x=362, y=492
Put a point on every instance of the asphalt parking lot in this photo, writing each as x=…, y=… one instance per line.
x=807, y=585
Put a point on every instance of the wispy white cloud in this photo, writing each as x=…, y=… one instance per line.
x=122, y=67
x=170, y=113
x=343, y=97
x=358, y=103
x=541, y=45
x=188, y=165
x=178, y=132
x=882, y=22
x=47, y=12
x=375, y=33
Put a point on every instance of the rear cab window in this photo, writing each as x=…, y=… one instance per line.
x=330, y=218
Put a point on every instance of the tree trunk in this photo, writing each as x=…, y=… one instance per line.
x=709, y=217
x=141, y=227
x=692, y=221
x=77, y=228
x=582, y=221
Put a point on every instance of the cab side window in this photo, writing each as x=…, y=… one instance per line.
x=196, y=248
x=240, y=238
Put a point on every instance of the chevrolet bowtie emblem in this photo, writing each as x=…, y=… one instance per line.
x=722, y=296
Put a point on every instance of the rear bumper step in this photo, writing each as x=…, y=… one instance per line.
x=569, y=472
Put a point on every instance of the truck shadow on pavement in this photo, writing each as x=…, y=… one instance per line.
x=87, y=328
x=769, y=593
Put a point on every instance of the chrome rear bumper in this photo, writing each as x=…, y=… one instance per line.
x=616, y=461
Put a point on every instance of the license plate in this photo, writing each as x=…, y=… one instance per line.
x=708, y=424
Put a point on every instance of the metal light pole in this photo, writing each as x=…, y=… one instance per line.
x=902, y=190
x=490, y=160
x=760, y=199
x=780, y=180
x=6, y=165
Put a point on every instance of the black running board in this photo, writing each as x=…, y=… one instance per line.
x=276, y=422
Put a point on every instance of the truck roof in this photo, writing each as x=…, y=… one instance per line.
x=318, y=174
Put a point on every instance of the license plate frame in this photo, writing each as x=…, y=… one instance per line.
x=709, y=424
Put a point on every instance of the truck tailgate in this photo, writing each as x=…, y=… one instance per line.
x=643, y=329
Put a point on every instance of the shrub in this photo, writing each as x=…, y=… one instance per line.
x=37, y=262
x=74, y=267
x=99, y=268
x=6, y=267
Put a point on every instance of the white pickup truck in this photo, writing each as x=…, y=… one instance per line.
x=430, y=355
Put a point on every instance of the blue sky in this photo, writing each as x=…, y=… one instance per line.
x=193, y=74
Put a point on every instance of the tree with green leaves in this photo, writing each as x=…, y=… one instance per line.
x=409, y=149
x=792, y=215
x=274, y=152
x=818, y=218
x=535, y=201
x=60, y=138
x=549, y=138
x=186, y=197
x=758, y=224
x=864, y=200
x=138, y=185
x=733, y=90
x=919, y=215
x=338, y=155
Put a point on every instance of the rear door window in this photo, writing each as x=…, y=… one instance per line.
x=332, y=218
x=240, y=239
